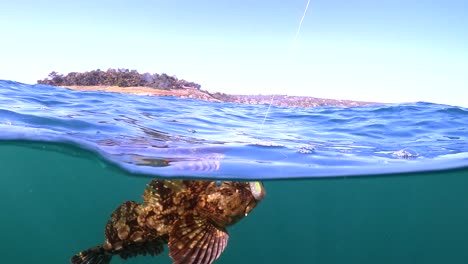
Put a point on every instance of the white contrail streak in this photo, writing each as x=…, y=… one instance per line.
x=302, y=19
x=295, y=37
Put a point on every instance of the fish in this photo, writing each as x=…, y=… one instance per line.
x=190, y=216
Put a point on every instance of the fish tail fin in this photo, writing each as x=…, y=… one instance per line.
x=95, y=255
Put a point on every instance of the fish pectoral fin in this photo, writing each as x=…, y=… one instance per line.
x=195, y=240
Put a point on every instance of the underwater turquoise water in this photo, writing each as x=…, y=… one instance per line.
x=69, y=158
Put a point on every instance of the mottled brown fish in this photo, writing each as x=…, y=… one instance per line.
x=189, y=215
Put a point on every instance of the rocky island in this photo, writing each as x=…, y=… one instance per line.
x=130, y=81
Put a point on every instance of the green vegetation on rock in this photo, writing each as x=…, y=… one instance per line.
x=118, y=77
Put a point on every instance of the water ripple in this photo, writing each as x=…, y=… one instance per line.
x=168, y=136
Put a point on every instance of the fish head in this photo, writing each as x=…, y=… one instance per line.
x=225, y=203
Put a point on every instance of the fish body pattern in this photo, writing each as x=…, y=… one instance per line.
x=191, y=216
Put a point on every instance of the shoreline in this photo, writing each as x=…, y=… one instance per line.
x=193, y=93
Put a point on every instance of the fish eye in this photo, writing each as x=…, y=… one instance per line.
x=257, y=189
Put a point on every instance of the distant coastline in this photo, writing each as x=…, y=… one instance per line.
x=132, y=82
x=279, y=100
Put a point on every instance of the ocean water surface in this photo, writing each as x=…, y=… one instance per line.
x=373, y=184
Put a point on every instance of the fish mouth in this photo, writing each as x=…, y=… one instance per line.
x=258, y=190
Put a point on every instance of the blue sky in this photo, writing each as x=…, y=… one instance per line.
x=385, y=51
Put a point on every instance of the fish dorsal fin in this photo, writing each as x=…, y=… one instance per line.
x=162, y=191
x=195, y=240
